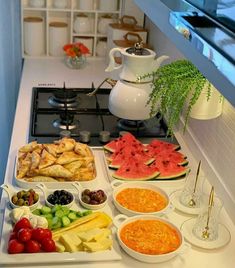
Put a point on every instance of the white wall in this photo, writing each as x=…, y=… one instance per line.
x=211, y=140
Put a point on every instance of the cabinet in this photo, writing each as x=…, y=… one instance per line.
x=66, y=11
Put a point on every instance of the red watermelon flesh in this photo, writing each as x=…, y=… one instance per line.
x=169, y=169
x=158, y=145
x=134, y=170
x=119, y=143
x=171, y=156
x=133, y=151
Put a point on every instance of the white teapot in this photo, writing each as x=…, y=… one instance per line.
x=136, y=62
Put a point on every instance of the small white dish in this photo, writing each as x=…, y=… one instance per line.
x=80, y=189
x=47, y=192
x=222, y=240
x=175, y=200
x=11, y=191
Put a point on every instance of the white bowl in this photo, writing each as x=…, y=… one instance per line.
x=11, y=191
x=92, y=207
x=119, y=186
x=122, y=220
x=47, y=192
x=80, y=189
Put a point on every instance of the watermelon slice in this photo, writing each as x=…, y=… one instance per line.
x=171, y=156
x=121, y=142
x=169, y=169
x=157, y=146
x=136, y=152
x=134, y=170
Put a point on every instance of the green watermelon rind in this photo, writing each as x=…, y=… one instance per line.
x=150, y=177
x=109, y=149
x=173, y=176
x=150, y=161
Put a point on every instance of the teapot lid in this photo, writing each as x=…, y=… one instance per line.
x=138, y=50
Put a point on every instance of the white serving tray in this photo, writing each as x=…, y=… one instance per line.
x=113, y=254
x=59, y=184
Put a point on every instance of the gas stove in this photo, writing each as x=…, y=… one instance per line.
x=59, y=112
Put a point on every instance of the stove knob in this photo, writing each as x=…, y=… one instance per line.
x=65, y=133
x=122, y=133
x=104, y=136
x=85, y=136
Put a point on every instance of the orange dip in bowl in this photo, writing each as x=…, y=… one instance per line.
x=152, y=237
x=141, y=200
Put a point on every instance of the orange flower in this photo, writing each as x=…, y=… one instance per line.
x=76, y=49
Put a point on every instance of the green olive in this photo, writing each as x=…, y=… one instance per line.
x=20, y=194
x=20, y=202
x=26, y=203
x=35, y=197
x=14, y=199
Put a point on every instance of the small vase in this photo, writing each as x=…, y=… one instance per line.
x=75, y=62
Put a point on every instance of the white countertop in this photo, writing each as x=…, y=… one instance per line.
x=55, y=73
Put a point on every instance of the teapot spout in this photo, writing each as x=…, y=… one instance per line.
x=159, y=61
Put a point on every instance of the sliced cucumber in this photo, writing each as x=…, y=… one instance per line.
x=65, y=210
x=59, y=213
x=65, y=221
x=37, y=212
x=86, y=212
x=55, y=208
x=72, y=216
x=45, y=210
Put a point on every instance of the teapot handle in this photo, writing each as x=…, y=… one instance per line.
x=112, y=64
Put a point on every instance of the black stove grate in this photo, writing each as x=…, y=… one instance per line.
x=90, y=114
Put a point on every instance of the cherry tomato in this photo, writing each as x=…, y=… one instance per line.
x=22, y=223
x=14, y=246
x=24, y=234
x=13, y=235
x=32, y=246
x=47, y=233
x=48, y=245
x=39, y=234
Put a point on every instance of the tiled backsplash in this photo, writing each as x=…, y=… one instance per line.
x=211, y=140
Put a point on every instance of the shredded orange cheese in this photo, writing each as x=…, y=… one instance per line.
x=141, y=200
x=151, y=237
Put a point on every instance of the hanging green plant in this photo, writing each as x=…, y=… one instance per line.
x=176, y=86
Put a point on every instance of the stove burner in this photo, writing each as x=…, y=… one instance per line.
x=66, y=121
x=63, y=98
x=131, y=125
x=61, y=104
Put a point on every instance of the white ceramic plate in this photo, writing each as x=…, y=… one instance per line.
x=174, y=197
x=222, y=240
x=49, y=258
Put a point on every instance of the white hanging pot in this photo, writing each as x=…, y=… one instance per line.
x=129, y=100
x=206, y=108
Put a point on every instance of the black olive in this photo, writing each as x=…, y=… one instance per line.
x=57, y=193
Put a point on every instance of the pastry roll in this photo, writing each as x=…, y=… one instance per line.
x=24, y=166
x=51, y=149
x=65, y=145
x=73, y=167
x=40, y=179
x=35, y=160
x=46, y=159
x=81, y=149
x=28, y=147
x=56, y=171
x=67, y=157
